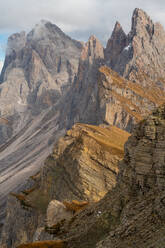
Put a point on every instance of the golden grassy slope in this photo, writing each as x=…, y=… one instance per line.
x=139, y=97
x=99, y=147
x=110, y=138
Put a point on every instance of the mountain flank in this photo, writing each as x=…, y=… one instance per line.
x=82, y=167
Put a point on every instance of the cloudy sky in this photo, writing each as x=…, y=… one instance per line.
x=78, y=18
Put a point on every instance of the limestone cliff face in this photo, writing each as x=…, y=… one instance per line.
x=123, y=103
x=45, y=55
x=142, y=177
x=144, y=153
x=38, y=69
x=138, y=58
x=37, y=129
x=133, y=213
x=141, y=59
x=83, y=166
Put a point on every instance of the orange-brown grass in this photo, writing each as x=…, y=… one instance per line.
x=110, y=138
x=22, y=199
x=28, y=191
x=152, y=93
x=75, y=205
x=45, y=244
x=18, y=196
x=4, y=121
x=36, y=176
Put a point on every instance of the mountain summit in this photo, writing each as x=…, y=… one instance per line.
x=115, y=44
x=141, y=57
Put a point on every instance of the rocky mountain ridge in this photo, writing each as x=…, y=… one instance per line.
x=53, y=82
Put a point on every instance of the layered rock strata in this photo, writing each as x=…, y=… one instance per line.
x=132, y=213
x=83, y=166
x=123, y=103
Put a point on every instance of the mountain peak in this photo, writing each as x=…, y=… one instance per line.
x=118, y=30
x=140, y=22
x=117, y=26
x=139, y=12
x=115, y=44
x=16, y=42
x=93, y=49
x=44, y=30
x=92, y=38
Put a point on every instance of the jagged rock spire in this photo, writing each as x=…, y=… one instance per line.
x=115, y=44
x=140, y=52
x=141, y=23
x=92, y=50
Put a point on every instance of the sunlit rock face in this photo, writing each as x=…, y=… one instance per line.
x=82, y=167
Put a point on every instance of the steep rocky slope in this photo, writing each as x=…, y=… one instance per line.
x=132, y=214
x=83, y=166
x=123, y=103
x=142, y=175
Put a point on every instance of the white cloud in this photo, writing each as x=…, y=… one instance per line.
x=1, y=65
x=79, y=17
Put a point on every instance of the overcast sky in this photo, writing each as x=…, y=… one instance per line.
x=78, y=18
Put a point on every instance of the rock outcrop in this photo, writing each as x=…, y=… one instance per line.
x=56, y=212
x=83, y=166
x=123, y=103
